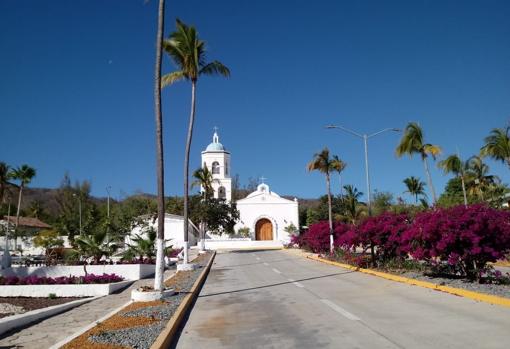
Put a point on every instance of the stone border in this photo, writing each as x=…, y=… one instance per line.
x=66, y=290
x=167, y=335
x=12, y=322
x=481, y=297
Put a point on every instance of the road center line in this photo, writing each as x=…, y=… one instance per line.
x=295, y=283
x=258, y=258
x=277, y=271
x=266, y=264
x=340, y=310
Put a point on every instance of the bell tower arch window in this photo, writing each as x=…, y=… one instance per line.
x=216, y=167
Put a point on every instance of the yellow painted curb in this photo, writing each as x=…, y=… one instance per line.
x=166, y=336
x=481, y=297
x=502, y=263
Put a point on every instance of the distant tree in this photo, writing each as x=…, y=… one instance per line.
x=189, y=54
x=339, y=168
x=24, y=174
x=414, y=187
x=382, y=202
x=204, y=179
x=478, y=178
x=497, y=145
x=351, y=200
x=412, y=142
x=252, y=184
x=453, y=164
x=49, y=240
x=325, y=164
x=5, y=177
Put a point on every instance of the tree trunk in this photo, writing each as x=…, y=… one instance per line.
x=429, y=179
x=17, y=217
x=160, y=265
x=186, y=169
x=464, y=190
x=330, y=214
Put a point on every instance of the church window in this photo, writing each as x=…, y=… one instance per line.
x=221, y=193
x=216, y=167
x=226, y=168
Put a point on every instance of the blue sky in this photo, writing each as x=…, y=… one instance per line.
x=77, y=77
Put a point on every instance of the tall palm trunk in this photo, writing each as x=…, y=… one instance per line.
x=464, y=190
x=160, y=265
x=330, y=214
x=17, y=217
x=186, y=169
x=429, y=179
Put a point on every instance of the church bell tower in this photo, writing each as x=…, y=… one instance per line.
x=217, y=159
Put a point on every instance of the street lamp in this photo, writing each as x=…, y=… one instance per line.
x=108, y=188
x=79, y=207
x=365, y=138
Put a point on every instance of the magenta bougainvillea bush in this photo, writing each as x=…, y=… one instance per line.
x=381, y=235
x=316, y=238
x=61, y=280
x=464, y=238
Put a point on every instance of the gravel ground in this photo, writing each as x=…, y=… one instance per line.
x=492, y=289
x=142, y=337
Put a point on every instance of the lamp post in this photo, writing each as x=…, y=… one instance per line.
x=79, y=208
x=108, y=188
x=365, y=138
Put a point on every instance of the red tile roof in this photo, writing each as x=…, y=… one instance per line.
x=28, y=222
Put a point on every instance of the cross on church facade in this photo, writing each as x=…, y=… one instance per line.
x=262, y=179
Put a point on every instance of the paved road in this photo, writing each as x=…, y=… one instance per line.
x=276, y=299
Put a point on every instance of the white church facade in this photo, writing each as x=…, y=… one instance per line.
x=264, y=213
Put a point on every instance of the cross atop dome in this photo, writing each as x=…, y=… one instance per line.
x=215, y=145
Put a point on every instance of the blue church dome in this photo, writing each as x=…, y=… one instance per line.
x=215, y=145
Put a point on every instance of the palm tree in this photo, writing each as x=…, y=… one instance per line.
x=351, y=200
x=24, y=174
x=339, y=167
x=160, y=262
x=412, y=143
x=414, y=187
x=323, y=163
x=454, y=164
x=478, y=177
x=497, y=145
x=5, y=176
x=96, y=245
x=188, y=53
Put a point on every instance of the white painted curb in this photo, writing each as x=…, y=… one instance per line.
x=84, y=290
x=20, y=320
x=149, y=296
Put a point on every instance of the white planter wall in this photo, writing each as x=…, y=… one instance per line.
x=127, y=271
x=89, y=290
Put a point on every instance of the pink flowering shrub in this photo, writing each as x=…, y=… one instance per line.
x=464, y=238
x=316, y=238
x=61, y=280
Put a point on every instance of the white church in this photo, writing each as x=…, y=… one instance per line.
x=263, y=212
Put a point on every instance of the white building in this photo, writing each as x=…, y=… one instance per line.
x=263, y=212
x=174, y=230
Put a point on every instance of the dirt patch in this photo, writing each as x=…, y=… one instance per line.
x=33, y=303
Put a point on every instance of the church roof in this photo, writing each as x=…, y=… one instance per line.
x=215, y=145
x=264, y=196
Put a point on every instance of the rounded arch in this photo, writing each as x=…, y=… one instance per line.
x=222, y=193
x=215, y=167
x=274, y=226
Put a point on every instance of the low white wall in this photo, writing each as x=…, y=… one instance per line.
x=127, y=271
x=241, y=244
x=20, y=320
x=89, y=290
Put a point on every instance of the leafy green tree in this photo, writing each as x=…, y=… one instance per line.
x=49, y=240
x=415, y=187
x=382, y=202
x=218, y=215
x=5, y=177
x=412, y=142
x=24, y=174
x=189, y=54
x=497, y=145
x=325, y=164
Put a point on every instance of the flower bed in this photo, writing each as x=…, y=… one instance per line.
x=61, y=280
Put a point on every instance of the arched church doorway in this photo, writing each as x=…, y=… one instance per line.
x=264, y=229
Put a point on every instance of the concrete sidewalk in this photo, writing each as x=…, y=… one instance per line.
x=54, y=329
